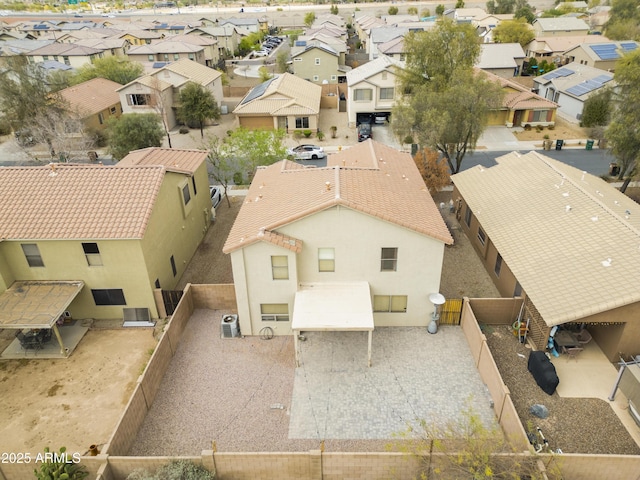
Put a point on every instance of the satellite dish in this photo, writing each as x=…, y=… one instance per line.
x=437, y=298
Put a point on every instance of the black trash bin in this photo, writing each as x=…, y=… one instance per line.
x=559, y=144
x=589, y=144
x=614, y=169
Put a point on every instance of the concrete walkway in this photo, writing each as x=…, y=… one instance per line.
x=414, y=376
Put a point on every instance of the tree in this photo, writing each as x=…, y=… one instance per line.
x=469, y=449
x=446, y=103
x=500, y=6
x=434, y=170
x=281, y=61
x=309, y=18
x=412, y=11
x=440, y=10
x=264, y=74
x=393, y=10
x=238, y=155
x=514, y=31
x=460, y=4
x=133, y=131
x=623, y=132
x=334, y=9
x=525, y=11
x=117, y=69
x=425, y=13
x=197, y=105
x=624, y=20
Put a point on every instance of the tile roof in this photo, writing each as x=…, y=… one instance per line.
x=285, y=94
x=371, y=68
x=65, y=201
x=561, y=24
x=173, y=159
x=578, y=74
x=518, y=97
x=554, y=227
x=91, y=96
x=499, y=55
x=370, y=177
x=165, y=46
x=395, y=45
x=148, y=81
x=193, y=71
x=66, y=49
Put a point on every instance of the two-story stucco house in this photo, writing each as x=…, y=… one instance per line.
x=94, y=101
x=372, y=89
x=144, y=94
x=119, y=233
x=318, y=63
x=361, y=238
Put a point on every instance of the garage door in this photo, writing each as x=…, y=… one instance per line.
x=256, y=122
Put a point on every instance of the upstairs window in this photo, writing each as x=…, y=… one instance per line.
x=326, y=260
x=92, y=254
x=280, y=267
x=32, y=254
x=389, y=260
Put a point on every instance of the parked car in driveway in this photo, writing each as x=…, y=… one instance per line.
x=216, y=195
x=306, y=152
x=364, y=131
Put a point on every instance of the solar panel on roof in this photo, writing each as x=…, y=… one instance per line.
x=605, y=51
x=602, y=79
x=577, y=90
x=560, y=72
x=301, y=43
x=258, y=91
x=628, y=46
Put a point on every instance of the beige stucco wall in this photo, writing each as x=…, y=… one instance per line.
x=357, y=239
x=375, y=82
x=304, y=66
x=580, y=56
x=7, y=276
x=75, y=61
x=175, y=229
x=93, y=122
x=122, y=267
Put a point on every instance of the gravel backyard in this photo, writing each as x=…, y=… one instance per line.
x=574, y=425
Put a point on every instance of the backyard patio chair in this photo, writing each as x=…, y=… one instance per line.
x=572, y=352
x=583, y=336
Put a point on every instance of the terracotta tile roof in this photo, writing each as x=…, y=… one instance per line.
x=92, y=96
x=192, y=71
x=148, y=81
x=554, y=226
x=518, y=97
x=65, y=49
x=65, y=201
x=370, y=177
x=174, y=160
x=371, y=68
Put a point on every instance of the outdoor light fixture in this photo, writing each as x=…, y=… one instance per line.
x=437, y=299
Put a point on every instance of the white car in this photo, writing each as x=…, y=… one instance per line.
x=259, y=53
x=306, y=152
x=216, y=195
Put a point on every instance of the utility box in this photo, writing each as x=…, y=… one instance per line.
x=559, y=144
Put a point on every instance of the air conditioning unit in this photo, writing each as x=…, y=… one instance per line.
x=230, y=327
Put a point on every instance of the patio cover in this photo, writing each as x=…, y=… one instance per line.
x=332, y=307
x=37, y=304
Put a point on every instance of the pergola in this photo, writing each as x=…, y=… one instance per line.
x=37, y=305
x=332, y=307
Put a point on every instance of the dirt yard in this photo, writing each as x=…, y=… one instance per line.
x=563, y=129
x=74, y=402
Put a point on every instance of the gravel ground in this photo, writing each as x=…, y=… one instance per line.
x=575, y=425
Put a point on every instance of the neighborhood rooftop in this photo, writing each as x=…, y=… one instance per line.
x=371, y=178
x=173, y=159
x=564, y=234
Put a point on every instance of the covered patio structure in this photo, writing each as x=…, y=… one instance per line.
x=342, y=306
x=38, y=305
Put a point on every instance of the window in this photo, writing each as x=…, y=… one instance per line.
x=390, y=303
x=191, y=56
x=280, y=267
x=32, y=254
x=517, y=291
x=92, y=254
x=166, y=57
x=110, y=296
x=302, y=122
x=176, y=56
x=482, y=237
x=157, y=284
x=386, y=93
x=297, y=59
x=66, y=61
x=150, y=58
x=186, y=194
x=113, y=110
x=45, y=58
x=55, y=57
x=193, y=182
x=173, y=266
x=101, y=118
x=316, y=78
x=402, y=57
x=389, y=260
x=317, y=61
x=137, y=99
x=274, y=312
x=467, y=216
x=384, y=75
x=333, y=78
x=498, y=265
x=540, y=116
x=362, y=94
x=326, y=260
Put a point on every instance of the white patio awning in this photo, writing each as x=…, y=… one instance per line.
x=331, y=307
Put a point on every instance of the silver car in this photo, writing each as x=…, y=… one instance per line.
x=306, y=152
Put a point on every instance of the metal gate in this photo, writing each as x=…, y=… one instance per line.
x=171, y=299
x=450, y=312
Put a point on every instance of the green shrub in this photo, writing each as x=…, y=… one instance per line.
x=62, y=467
x=183, y=130
x=238, y=178
x=539, y=128
x=320, y=135
x=175, y=470
x=307, y=133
